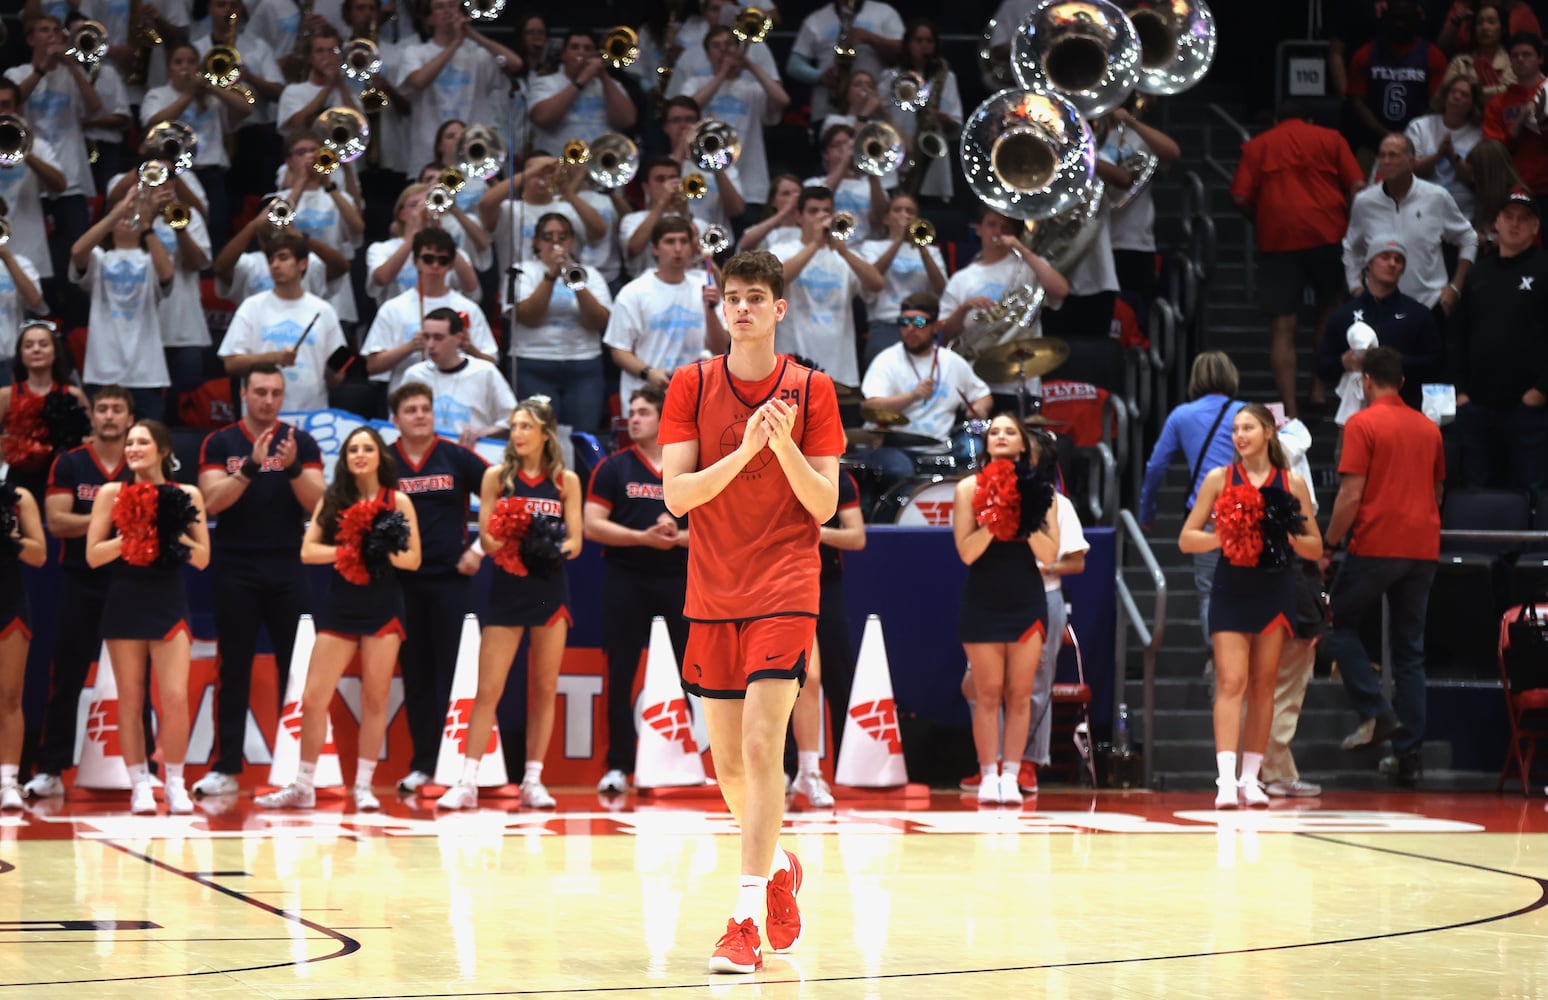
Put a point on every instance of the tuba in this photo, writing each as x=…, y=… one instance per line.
x=480, y=152
x=994, y=72
x=878, y=149
x=1085, y=50
x=751, y=26
x=1028, y=155
x=345, y=131
x=714, y=145
x=620, y=47
x=88, y=43
x=1177, y=43
x=1062, y=239
x=174, y=142
x=15, y=140
x=281, y=212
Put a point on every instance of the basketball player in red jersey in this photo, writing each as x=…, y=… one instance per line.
x=750, y=446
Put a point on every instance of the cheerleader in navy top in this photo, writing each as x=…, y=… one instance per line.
x=1001, y=529
x=366, y=530
x=21, y=541
x=145, y=530
x=43, y=415
x=1251, y=511
x=530, y=523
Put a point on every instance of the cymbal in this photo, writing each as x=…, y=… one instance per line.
x=903, y=439
x=848, y=395
x=862, y=437
x=1018, y=359
x=1038, y=420
x=883, y=418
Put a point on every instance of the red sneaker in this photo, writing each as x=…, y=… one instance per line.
x=971, y=782
x=784, y=923
x=739, y=950
x=1028, y=779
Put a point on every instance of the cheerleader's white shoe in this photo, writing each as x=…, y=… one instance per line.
x=1227, y=795
x=1252, y=794
x=178, y=802
x=142, y=800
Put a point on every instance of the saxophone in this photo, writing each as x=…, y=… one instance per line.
x=143, y=37
x=929, y=141
x=301, y=49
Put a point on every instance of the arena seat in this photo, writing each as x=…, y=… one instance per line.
x=1468, y=594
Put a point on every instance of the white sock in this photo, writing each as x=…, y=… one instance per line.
x=990, y=771
x=365, y=770
x=806, y=762
x=1225, y=762
x=9, y=773
x=469, y=771
x=533, y=772
x=781, y=862
x=139, y=773
x=306, y=774
x=751, y=899
x=174, y=773
x=1251, y=762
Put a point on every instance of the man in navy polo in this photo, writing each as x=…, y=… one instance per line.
x=261, y=479
x=645, y=569
x=439, y=477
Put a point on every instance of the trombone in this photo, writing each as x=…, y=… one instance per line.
x=362, y=61
x=172, y=142
x=88, y=44
x=751, y=26
x=222, y=67
x=281, y=212
x=480, y=152
x=15, y=140
x=878, y=149
x=611, y=159
x=621, y=46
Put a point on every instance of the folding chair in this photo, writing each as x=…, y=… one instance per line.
x=1524, y=678
x=1071, y=705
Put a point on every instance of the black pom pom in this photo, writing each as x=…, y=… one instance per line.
x=175, y=514
x=65, y=420
x=1282, y=518
x=540, y=546
x=1037, y=496
x=9, y=498
x=389, y=534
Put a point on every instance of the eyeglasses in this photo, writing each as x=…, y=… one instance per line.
x=444, y=260
x=553, y=237
x=917, y=322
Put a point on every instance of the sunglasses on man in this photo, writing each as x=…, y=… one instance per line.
x=441, y=259
x=917, y=322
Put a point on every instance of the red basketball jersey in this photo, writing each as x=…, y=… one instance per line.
x=753, y=551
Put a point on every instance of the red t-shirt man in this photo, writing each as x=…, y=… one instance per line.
x=1296, y=180
x=1398, y=451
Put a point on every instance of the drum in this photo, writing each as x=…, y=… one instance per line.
x=923, y=501
x=967, y=443
x=934, y=463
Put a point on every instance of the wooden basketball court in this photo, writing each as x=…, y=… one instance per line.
x=1077, y=895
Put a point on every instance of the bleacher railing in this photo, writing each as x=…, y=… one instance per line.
x=1150, y=636
x=1223, y=139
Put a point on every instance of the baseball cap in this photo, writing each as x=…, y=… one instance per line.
x=1519, y=196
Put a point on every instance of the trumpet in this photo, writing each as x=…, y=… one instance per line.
x=714, y=145
x=153, y=174
x=177, y=215
x=910, y=91
x=345, y=131
x=878, y=149
x=374, y=100
x=452, y=179
x=621, y=46
x=88, y=43
x=573, y=275
x=281, y=212
x=483, y=10
x=842, y=227
x=15, y=140
x=1086, y=50
x=325, y=162
x=173, y=142
x=480, y=152
x=576, y=152
x=439, y=200
x=921, y=232
x=751, y=26
x=693, y=187
x=362, y=59
x=714, y=240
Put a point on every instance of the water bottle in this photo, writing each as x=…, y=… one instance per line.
x=1121, y=735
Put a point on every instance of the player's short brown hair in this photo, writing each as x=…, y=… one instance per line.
x=757, y=267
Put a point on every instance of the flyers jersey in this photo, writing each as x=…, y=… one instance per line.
x=755, y=548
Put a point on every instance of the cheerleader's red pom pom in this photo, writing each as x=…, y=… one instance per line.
x=996, y=500
x=354, y=521
x=508, y=524
x=26, y=436
x=1238, y=515
x=134, y=515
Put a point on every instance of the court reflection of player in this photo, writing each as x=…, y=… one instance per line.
x=1002, y=620
x=145, y=613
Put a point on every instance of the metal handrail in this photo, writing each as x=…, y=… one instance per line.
x=1129, y=615
x=1224, y=167
x=1490, y=535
